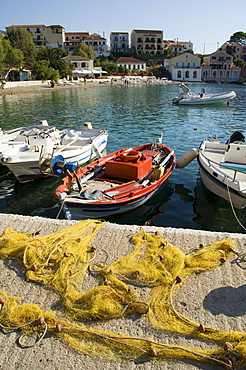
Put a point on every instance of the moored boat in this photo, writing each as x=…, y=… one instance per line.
x=117, y=183
x=8, y=137
x=188, y=97
x=223, y=168
x=29, y=154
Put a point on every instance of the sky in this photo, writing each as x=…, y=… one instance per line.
x=207, y=24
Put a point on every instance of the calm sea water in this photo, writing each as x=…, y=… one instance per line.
x=132, y=115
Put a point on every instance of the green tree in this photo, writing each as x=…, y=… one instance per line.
x=21, y=39
x=122, y=69
x=42, y=71
x=238, y=36
x=2, y=55
x=168, y=53
x=53, y=56
x=66, y=70
x=159, y=72
x=84, y=51
x=10, y=57
x=111, y=68
x=239, y=62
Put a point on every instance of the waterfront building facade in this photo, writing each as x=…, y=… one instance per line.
x=184, y=67
x=236, y=49
x=119, y=42
x=132, y=64
x=98, y=43
x=52, y=36
x=147, y=42
x=74, y=38
x=83, y=67
x=177, y=46
x=219, y=67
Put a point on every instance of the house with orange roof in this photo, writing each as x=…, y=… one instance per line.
x=83, y=67
x=132, y=64
x=98, y=43
x=74, y=38
x=178, y=46
x=219, y=67
x=236, y=49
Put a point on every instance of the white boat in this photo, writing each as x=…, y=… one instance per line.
x=7, y=137
x=223, y=168
x=29, y=154
x=188, y=97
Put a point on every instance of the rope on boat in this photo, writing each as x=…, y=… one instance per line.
x=232, y=207
x=118, y=140
x=61, y=208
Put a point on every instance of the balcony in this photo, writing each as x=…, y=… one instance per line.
x=186, y=67
x=147, y=40
x=216, y=66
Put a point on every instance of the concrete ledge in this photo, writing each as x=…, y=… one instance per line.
x=11, y=84
x=215, y=298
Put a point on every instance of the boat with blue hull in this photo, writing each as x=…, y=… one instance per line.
x=29, y=155
x=117, y=183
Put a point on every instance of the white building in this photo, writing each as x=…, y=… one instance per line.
x=83, y=67
x=185, y=67
x=131, y=63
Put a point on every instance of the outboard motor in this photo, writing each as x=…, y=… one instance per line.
x=236, y=136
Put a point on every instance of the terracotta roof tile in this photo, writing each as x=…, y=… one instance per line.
x=129, y=60
x=27, y=26
x=95, y=36
x=147, y=31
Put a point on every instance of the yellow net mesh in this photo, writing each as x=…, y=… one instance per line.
x=61, y=261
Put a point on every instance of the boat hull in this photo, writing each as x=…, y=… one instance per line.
x=119, y=198
x=225, y=182
x=26, y=166
x=78, y=211
x=209, y=99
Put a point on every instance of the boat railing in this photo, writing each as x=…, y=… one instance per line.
x=220, y=165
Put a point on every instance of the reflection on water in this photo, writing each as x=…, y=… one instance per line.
x=214, y=213
x=27, y=198
x=149, y=211
x=133, y=115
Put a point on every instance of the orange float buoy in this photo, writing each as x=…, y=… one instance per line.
x=153, y=352
x=58, y=328
x=132, y=155
x=202, y=328
x=41, y=320
x=228, y=365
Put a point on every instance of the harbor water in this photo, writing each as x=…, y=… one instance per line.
x=132, y=115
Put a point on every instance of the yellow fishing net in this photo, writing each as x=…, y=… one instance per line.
x=61, y=261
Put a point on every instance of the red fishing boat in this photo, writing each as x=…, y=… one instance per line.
x=116, y=183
